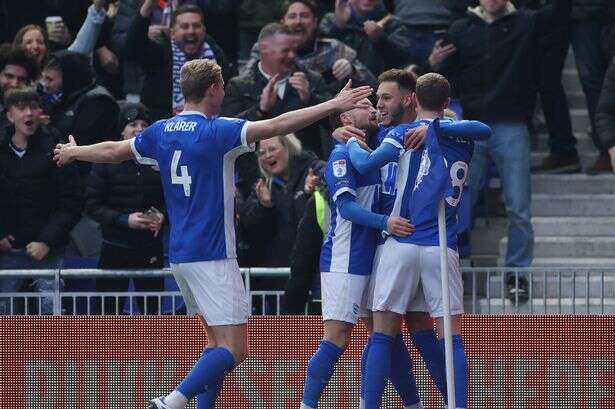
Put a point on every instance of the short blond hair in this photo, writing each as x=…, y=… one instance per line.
x=197, y=76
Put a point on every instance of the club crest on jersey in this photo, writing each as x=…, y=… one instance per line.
x=339, y=168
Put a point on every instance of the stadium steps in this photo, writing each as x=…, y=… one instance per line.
x=570, y=284
x=537, y=306
x=570, y=246
x=573, y=226
x=573, y=205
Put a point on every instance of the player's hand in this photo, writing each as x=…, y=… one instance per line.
x=440, y=53
x=311, y=181
x=374, y=30
x=62, y=154
x=415, y=137
x=301, y=84
x=400, y=227
x=612, y=155
x=269, y=95
x=155, y=30
x=37, y=250
x=263, y=193
x=346, y=132
x=342, y=13
x=138, y=221
x=6, y=244
x=342, y=69
x=350, y=98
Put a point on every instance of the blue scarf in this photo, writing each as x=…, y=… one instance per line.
x=179, y=59
x=376, y=14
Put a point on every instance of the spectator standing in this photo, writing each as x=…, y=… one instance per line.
x=163, y=57
x=588, y=26
x=271, y=214
x=33, y=39
x=334, y=60
x=44, y=202
x=380, y=38
x=493, y=52
x=122, y=198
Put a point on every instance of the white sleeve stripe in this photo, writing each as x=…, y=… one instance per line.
x=142, y=160
x=244, y=137
x=393, y=142
x=344, y=190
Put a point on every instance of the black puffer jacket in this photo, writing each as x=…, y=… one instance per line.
x=116, y=190
x=42, y=202
x=494, y=69
x=271, y=232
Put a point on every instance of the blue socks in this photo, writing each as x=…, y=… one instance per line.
x=402, y=375
x=210, y=369
x=364, y=365
x=319, y=371
x=207, y=399
x=428, y=346
x=378, y=368
x=461, y=371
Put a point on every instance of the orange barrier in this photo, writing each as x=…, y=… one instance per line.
x=120, y=362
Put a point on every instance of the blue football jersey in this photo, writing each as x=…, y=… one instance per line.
x=349, y=247
x=457, y=152
x=196, y=156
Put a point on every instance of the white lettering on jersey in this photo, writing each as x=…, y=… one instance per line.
x=180, y=126
x=459, y=172
x=184, y=179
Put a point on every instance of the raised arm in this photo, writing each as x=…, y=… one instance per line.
x=104, y=152
x=475, y=130
x=293, y=121
x=350, y=210
x=365, y=161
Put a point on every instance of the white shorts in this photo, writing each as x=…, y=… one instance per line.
x=343, y=296
x=213, y=289
x=405, y=269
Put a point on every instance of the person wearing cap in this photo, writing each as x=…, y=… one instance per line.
x=126, y=199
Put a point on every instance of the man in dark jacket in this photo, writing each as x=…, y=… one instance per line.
x=126, y=199
x=163, y=58
x=76, y=105
x=272, y=86
x=380, y=39
x=492, y=62
x=44, y=201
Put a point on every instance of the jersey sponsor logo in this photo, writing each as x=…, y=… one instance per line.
x=339, y=168
x=180, y=126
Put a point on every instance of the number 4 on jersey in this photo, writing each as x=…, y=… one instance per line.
x=184, y=179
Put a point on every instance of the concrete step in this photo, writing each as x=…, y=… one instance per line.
x=576, y=99
x=570, y=205
x=584, y=142
x=570, y=80
x=580, y=262
x=578, y=183
x=580, y=119
x=537, y=306
x=573, y=226
x=565, y=286
x=551, y=246
x=587, y=158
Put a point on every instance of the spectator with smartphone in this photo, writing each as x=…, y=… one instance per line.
x=380, y=38
x=125, y=199
x=335, y=61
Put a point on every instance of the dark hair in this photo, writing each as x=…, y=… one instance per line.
x=23, y=95
x=273, y=29
x=432, y=91
x=404, y=79
x=307, y=3
x=187, y=8
x=10, y=55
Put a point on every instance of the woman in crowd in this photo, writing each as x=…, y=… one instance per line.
x=126, y=199
x=33, y=39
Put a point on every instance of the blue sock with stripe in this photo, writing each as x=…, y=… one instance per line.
x=319, y=371
x=207, y=399
x=210, y=369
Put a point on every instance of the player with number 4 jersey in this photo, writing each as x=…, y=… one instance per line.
x=196, y=152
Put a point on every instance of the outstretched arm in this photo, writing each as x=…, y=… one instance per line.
x=104, y=152
x=365, y=161
x=293, y=121
x=350, y=210
x=475, y=130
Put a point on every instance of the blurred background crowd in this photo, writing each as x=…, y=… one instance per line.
x=104, y=70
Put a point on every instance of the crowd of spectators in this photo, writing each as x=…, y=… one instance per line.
x=100, y=70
